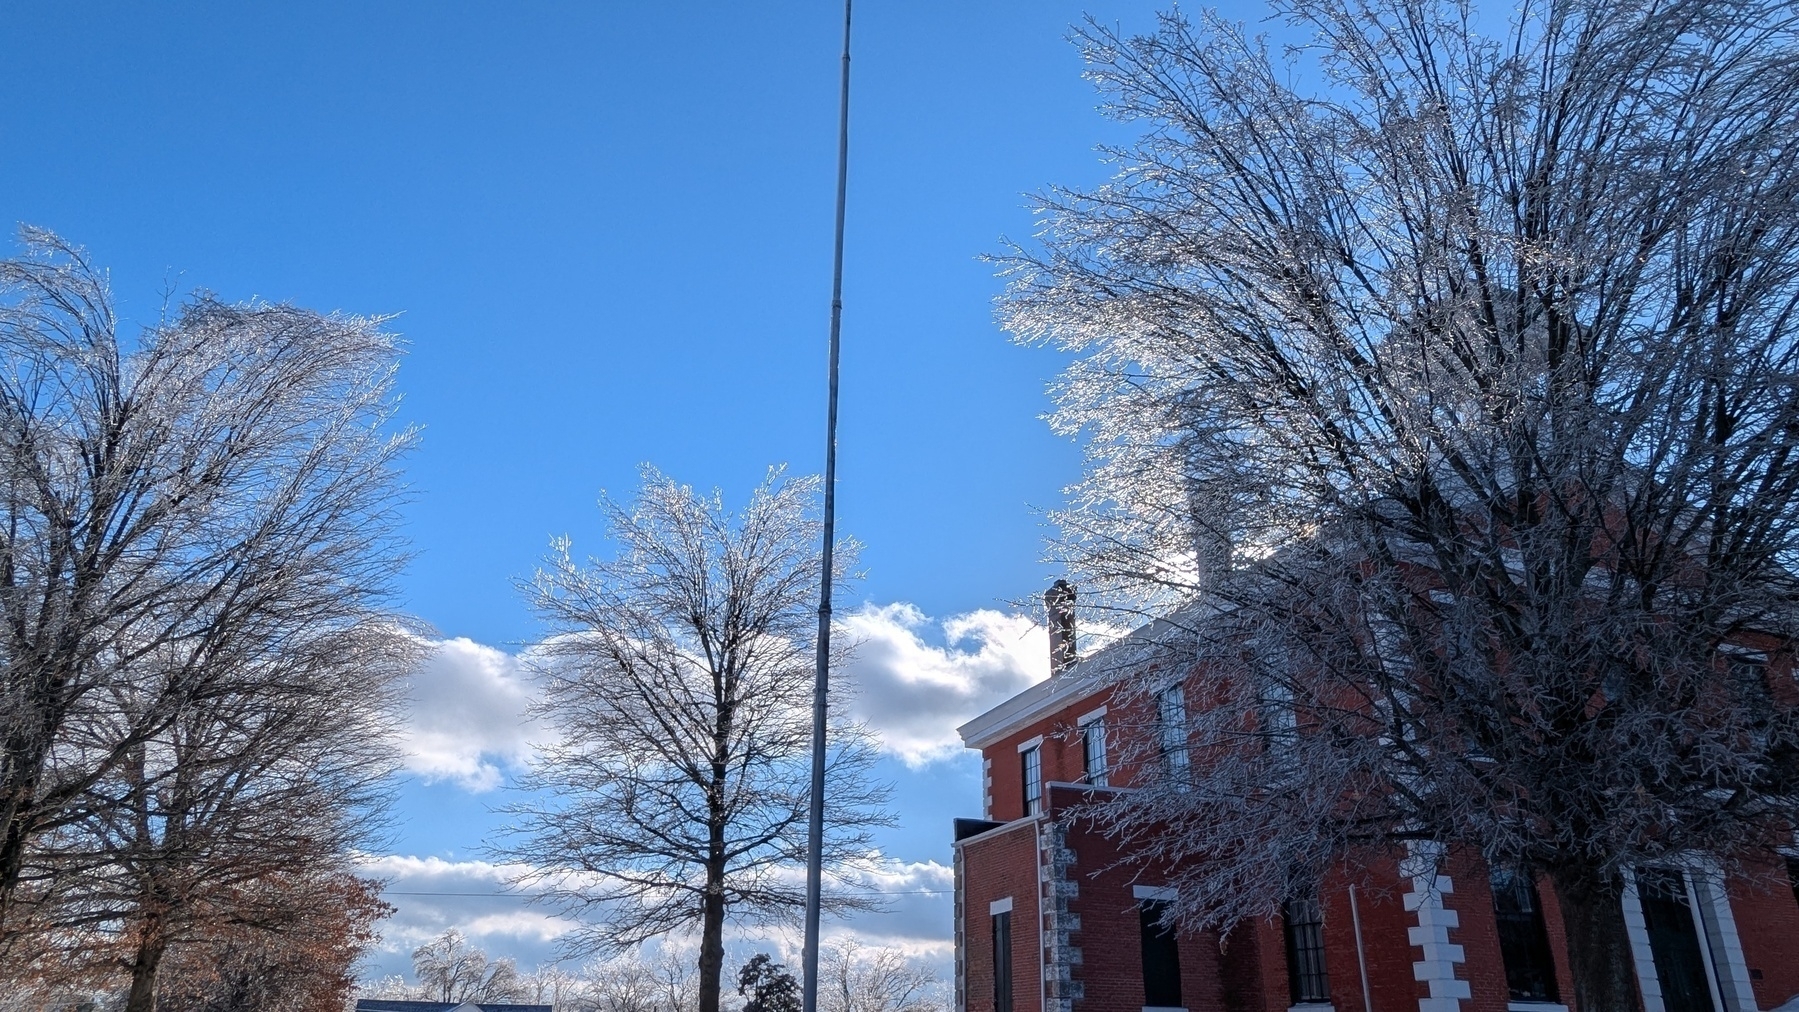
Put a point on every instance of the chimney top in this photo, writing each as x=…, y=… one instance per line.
x=1059, y=601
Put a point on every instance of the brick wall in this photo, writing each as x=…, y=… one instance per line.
x=1484, y=966
x=1109, y=938
x=1386, y=945
x=998, y=864
x=1061, y=755
x=1767, y=917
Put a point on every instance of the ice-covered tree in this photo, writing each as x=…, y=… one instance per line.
x=197, y=540
x=861, y=978
x=450, y=969
x=679, y=683
x=1440, y=390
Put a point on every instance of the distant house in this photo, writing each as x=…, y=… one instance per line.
x=385, y=1005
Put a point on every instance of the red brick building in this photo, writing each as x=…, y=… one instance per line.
x=1046, y=922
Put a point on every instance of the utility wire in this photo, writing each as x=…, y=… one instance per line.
x=897, y=892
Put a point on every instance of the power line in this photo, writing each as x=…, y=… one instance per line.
x=864, y=895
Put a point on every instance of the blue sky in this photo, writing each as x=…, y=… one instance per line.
x=606, y=229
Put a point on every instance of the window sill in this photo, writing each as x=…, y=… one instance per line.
x=1535, y=1006
x=1312, y=1006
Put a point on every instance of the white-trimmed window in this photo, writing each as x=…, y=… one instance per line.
x=1280, y=715
x=1161, y=955
x=1523, y=938
x=1002, y=955
x=1171, y=727
x=1030, y=764
x=1308, y=982
x=1093, y=751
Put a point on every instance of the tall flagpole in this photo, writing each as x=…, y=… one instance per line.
x=815, y=829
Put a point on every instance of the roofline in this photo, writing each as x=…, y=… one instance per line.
x=1084, y=677
x=1006, y=827
x=1027, y=706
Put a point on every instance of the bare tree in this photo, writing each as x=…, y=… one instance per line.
x=277, y=769
x=187, y=521
x=1442, y=405
x=638, y=983
x=449, y=969
x=858, y=978
x=679, y=680
x=551, y=985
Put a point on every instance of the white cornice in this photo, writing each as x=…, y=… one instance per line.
x=1028, y=706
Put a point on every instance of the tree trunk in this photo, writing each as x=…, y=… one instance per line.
x=712, y=937
x=150, y=948
x=12, y=866
x=15, y=819
x=1599, y=956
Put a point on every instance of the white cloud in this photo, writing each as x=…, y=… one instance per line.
x=468, y=715
x=919, y=902
x=914, y=694
x=432, y=895
x=915, y=679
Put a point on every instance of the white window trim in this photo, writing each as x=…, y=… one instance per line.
x=1089, y=717
x=1026, y=782
x=1312, y=1006
x=1164, y=893
x=1649, y=983
x=998, y=907
x=1713, y=916
x=1090, y=725
x=1706, y=886
x=1535, y=1006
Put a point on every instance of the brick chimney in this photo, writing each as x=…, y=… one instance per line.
x=1059, y=601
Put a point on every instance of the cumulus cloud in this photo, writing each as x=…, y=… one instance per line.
x=432, y=895
x=916, y=679
x=468, y=715
x=919, y=899
x=913, y=693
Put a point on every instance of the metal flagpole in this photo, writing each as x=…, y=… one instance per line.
x=815, y=829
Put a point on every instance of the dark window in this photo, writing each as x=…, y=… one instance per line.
x=1161, y=957
x=1031, y=759
x=1093, y=752
x=1749, y=690
x=1793, y=876
x=1307, y=980
x=1674, y=941
x=1002, y=962
x=1523, y=939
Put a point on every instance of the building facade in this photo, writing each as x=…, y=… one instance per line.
x=1048, y=920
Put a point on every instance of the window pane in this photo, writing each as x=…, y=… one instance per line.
x=1093, y=752
x=1523, y=939
x=1171, y=712
x=1161, y=957
x=1674, y=941
x=1306, y=977
x=1002, y=962
x=1032, y=763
